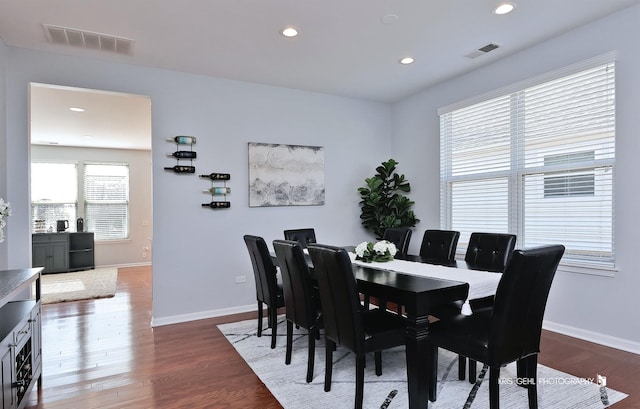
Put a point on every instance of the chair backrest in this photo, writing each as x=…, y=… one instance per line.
x=489, y=251
x=520, y=302
x=263, y=269
x=400, y=236
x=339, y=296
x=303, y=236
x=439, y=245
x=299, y=298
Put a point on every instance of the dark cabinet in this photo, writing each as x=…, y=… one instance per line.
x=81, y=255
x=62, y=252
x=51, y=251
x=20, y=336
x=6, y=376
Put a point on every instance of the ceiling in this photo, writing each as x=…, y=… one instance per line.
x=110, y=119
x=345, y=47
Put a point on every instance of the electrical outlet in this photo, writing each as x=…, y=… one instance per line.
x=241, y=279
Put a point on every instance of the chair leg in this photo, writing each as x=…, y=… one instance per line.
x=378, y=359
x=273, y=318
x=531, y=365
x=432, y=372
x=328, y=363
x=360, y=359
x=287, y=355
x=472, y=371
x=366, y=301
x=521, y=369
x=311, y=354
x=260, y=313
x=462, y=367
x=494, y=391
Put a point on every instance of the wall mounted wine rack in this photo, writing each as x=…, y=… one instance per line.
x=182, y=154
x=217, y=191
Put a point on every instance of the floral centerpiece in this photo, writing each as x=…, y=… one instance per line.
x=381, y=251
x=5, y=211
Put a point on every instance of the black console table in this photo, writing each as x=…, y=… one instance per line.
x=20, y=335
x=63, y=252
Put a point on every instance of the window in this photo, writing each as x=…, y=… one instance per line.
x=54, y=193
x=538, y=162
x=107, y=200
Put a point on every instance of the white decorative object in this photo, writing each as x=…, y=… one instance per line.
x=5, y=211
x=381, y=251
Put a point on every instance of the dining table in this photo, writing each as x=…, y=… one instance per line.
x=420, y=284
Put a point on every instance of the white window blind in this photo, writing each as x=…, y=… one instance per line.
x=54, y=193
x=537, y=162
x=106, y=191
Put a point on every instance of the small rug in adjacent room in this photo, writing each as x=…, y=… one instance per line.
x=389, y=391
x=79, y=285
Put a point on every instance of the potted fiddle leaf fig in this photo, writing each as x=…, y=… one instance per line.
x=383, y=203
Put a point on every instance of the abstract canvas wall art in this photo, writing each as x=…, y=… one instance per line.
x=285, y=175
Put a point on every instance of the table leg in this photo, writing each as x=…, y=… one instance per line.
x=417, y=360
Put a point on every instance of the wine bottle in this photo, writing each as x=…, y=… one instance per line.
x=217, y=176
x=217, y=205
x=182, y=169
x=183, y=140
x=219, y=190
x=183, y=154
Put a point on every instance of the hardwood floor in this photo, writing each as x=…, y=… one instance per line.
x=104, y=354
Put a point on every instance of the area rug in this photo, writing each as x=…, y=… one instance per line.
x=79, y=285
x=389, y=391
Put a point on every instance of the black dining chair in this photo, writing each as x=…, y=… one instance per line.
x=301, y=300
x=510, y=332
x=400, y=236
x=303, y=236
x=268, y=291
x=439, y=246
x=486, y=252
x=346, y=322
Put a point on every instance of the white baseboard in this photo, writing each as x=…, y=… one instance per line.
x=143, y=264
x=176, y=319
x=598, y=338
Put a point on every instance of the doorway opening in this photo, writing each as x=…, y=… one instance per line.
x=100, y=140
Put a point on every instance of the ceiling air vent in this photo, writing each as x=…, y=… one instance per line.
x=482, y=50
x=87, y=39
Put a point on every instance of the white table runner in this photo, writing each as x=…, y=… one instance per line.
x=481, y=283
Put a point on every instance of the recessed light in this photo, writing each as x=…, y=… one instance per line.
x=407, y=60
x=76, y=109
x=389, y=19
x=289, y=32
x=504, y=8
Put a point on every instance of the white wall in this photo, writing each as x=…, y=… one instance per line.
x=198, y=252
x=121, y=252
x=592, y=307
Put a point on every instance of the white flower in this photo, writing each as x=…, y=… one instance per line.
x=5, y=208
x=5, y=211
x=383, y=246
x=361, y=248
